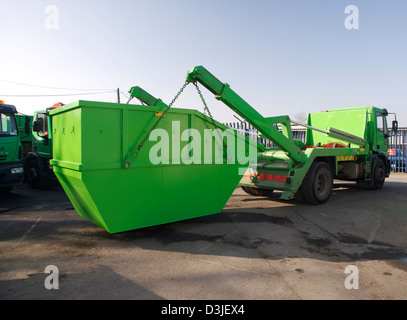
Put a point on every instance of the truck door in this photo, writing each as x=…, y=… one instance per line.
x=9, y=142
x=41, y=134
x=382, y=133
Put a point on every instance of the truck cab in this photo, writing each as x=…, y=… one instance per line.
x=37, y=166
x=11, y=152
x=380, y=147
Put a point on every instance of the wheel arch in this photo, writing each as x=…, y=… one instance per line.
x=36, y=157
x=331, y=161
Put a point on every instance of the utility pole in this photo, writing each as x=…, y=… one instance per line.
x=118, y=95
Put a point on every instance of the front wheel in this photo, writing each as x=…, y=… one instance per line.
x=379, y=175
x=33, y=173
x=318, y=184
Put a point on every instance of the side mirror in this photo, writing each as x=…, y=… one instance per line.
x=395, y=126
x=27, y=127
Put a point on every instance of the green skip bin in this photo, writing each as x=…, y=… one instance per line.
x=126, y=167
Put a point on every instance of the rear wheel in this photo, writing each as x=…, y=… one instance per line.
x=317, y=185
x=257, y=191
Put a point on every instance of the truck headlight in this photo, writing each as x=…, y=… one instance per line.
x=17, y=170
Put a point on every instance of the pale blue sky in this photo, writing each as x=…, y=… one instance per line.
x=283, y=57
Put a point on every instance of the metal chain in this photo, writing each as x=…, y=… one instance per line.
x=163, y=114
x=208, y=111
x=135, y=152
x=203, y=100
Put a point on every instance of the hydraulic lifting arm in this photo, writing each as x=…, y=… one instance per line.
x=145, y=97
x=224, y=93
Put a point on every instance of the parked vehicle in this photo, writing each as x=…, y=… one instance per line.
x=38, y=170
x=11, y=151
x=398, y=161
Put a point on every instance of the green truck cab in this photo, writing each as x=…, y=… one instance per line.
x=11, y=151
x=37, y=167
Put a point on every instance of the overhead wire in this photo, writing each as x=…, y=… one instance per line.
x=53, y=95
x=88, y=91
x=49, y=87
x=128, y=97
x=125, y=94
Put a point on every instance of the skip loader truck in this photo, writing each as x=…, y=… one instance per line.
x=100, y=145
x=346, y=144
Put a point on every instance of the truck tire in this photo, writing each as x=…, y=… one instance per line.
x=378, y=175
x=257, y=191
x=318, y=183
x=33, y=173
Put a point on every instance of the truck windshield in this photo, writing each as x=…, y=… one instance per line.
x=8, y=125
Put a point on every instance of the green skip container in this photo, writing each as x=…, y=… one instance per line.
x=174, y=177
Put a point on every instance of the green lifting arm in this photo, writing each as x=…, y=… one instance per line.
x=224, y=93
x=145, y=97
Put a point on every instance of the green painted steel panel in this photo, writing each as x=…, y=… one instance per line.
x=91, y=141
x=350, y=121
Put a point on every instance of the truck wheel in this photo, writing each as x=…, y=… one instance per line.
x=379, y=175
x=257, y=191
x=33, y=173
x=318, y=184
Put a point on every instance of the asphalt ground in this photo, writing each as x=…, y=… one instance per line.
x=256, y=249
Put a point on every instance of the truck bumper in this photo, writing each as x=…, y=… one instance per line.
x=11, y=174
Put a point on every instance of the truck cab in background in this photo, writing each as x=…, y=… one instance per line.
x=36, y=165
x=11, y=151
